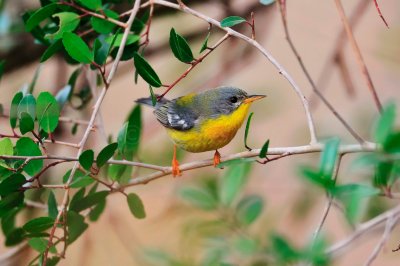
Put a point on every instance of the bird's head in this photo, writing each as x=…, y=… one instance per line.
x=225, y=100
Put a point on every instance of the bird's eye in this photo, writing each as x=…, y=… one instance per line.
x=233, y=99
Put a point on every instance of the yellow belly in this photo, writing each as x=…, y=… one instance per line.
x=210, y=134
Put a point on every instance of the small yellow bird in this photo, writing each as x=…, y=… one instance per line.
x=203, y=122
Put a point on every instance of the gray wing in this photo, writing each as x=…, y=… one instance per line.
x=174, y=116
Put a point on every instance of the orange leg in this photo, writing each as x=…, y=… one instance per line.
x=175, y=165
x=217, y=158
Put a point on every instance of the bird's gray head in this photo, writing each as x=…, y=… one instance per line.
x=225, y=100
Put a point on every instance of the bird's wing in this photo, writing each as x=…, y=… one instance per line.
x=172, y=115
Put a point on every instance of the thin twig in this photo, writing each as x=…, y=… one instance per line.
x=357, y=53
x=380, y=13
x=364, y=228
x=390, y=225
x=254, y=43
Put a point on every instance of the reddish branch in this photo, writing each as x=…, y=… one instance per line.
x=357, y=53
x=380, y=13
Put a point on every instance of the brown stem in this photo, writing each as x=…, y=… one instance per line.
x=357, y=53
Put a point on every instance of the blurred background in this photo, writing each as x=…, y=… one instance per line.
x=292, y=207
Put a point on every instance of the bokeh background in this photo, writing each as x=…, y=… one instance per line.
x=292, y=206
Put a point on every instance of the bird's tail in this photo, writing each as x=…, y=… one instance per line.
x=148, y=101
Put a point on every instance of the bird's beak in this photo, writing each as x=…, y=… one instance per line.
x=252, y=98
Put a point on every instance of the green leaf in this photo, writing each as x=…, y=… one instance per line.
x=283, y=251
x=77, y=48
x=63, y=96
x=91, y=4
x=233, y=181
x=116, y=171
x=2, y=64
x=48, y=112
x=95, y=213
x=40, y=15
x=383, y=172
x=129, y=136
x=249, y=209
x=267, y=2
x=15, y=237
x=11, y=184
x=204, y=45
x=11, y=201
x=86, y=159
x=106, y=154
x=38, y=224
x=103, y=26
x=246, y=132
x=118, y=38
x=27, y=147
x=264, y=150
x=83, y=181
x=136, y=206
x=76, y=226
x=153, y=96
x=199, y=197
x=69, y=21
x=26, y=123
x=385, y=123
x=232, y=21
x=315, y=176
x=78, y=174
x=51, y=50
x=14, y=109
x=52, y=208
x=180, y=48
x=328, y=157
x=146, y=71
x=354, y=189
x=8, y=221
x=6, y=147
x=27, y=105
x=39, y=244
x=88, y=201
x=392, y=143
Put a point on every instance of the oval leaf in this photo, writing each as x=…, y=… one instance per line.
x=199, y=198
x=68, y=23
x=27, y=147
x=27, y=105
x=136, y=206
x=86, y=159
x=146, y=71
x=249, y=209
x=40, y=15
x=38, y=224
x=106, y=154
x=180, y=47
x=232, y=21
x=77, y=48
x=14, y=108
x=48, y=112
x=103, y=26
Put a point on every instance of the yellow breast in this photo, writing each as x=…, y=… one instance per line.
x=210, y=134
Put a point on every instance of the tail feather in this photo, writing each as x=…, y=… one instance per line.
x=148, y=101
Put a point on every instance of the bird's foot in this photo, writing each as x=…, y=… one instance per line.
x=175, y=168
x=175, y=165
x=217, y=158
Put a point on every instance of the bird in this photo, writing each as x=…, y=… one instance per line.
x=205, y=121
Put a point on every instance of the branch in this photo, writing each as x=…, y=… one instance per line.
x=287, y=151
x=362, y=229
x=357, y=53
x=254, y=43
x=90, y=126
x=390, y=225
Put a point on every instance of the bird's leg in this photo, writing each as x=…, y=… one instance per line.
x=175, y=165
x=217, y=158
